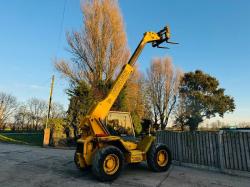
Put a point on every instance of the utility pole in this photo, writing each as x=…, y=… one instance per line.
x=46, y=136
x=50, y=100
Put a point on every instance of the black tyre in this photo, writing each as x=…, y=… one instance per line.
x=107, y=163
x=159, y=157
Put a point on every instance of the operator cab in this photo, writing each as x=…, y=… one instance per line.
x=120, y=124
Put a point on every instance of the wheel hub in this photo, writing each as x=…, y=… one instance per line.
x=111, y=164
x=162, y=158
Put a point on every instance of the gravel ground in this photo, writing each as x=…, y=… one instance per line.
x=25, y=166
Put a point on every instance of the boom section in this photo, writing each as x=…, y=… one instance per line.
x=101, y=110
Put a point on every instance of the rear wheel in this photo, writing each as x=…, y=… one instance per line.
x=159, y=157
x=107, y=163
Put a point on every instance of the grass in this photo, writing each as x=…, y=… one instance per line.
x=22, y=138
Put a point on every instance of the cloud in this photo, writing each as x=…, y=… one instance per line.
x=32, y=87
x=35, y=87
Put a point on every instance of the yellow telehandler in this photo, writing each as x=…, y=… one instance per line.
x=105, y=153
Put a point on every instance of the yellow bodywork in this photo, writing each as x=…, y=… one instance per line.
x=102, y=108
x=134, y=152
x=95, y=134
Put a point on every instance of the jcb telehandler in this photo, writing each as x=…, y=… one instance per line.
x=106, y=154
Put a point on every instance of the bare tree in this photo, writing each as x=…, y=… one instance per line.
x=162, y=84
x=32, y=114
x=134, y=99
x=37, y=111
x=98, y=52
x=8, y=104
x=133, y=94
x=100, y=48
x=21, y=117
x=57, y=111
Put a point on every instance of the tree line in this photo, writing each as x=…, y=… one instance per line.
x=30, y=115
x=164, y=94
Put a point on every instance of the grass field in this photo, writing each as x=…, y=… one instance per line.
x=22, y=138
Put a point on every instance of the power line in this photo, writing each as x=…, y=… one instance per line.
x=61, y=26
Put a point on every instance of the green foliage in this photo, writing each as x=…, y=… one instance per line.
x=120, y=103
x=82, y=97
x=56, y=124
x=137, y=123
x=200, y=97
x=58, y=135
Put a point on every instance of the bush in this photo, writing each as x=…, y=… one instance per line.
x=137, y=123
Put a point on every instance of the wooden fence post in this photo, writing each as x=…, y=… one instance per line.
x=221, y=147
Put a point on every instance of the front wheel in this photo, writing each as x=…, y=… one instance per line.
x=107, y=163
x=159, y=157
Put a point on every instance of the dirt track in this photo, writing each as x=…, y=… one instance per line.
x=25, y=166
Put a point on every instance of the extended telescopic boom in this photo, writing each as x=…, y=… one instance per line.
x=100, y=111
